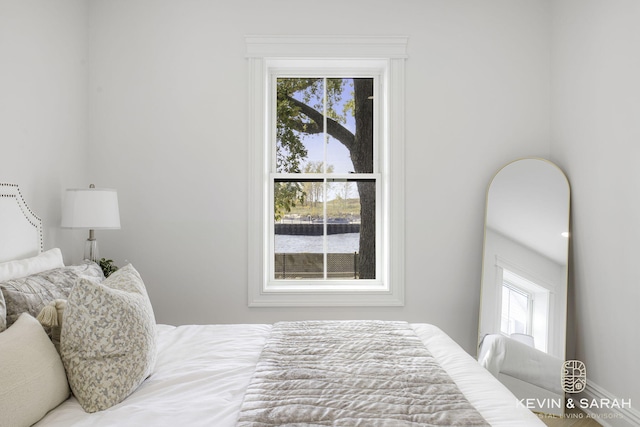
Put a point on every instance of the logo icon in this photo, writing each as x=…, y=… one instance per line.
x=574, y=376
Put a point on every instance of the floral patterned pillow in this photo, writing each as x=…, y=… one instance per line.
x=31, y=293
x=108, y=339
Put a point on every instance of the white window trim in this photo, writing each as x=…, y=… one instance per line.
x=263, y=51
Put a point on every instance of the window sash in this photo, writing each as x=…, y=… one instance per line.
x=377, y=74
x=316, y=284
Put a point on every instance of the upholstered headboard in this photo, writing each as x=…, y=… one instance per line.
x=20, y=228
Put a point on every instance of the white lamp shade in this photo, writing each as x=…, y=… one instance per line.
x=92, y=208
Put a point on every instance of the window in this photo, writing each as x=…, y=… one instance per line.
x=327, y=202
x=516, y=310
x=524, y=306
x=324, y=179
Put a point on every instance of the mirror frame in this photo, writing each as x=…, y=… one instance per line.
x=561, y=342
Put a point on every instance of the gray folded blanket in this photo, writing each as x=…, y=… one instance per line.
x=351, y=373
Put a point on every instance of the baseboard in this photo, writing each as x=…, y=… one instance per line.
x=607, y=417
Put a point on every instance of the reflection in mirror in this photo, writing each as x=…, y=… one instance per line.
x=522, y=327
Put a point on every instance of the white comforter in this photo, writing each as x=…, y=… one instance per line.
x=202, y=372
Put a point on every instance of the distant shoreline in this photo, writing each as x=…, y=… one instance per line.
x=311, y=229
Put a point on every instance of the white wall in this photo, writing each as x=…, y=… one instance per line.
x=596, y=130
x=168, y=119
x=43, y=106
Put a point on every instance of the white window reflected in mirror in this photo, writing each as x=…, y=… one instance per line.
x=525, y=308
x=516, y=310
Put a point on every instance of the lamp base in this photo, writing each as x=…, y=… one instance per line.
x=91, y=250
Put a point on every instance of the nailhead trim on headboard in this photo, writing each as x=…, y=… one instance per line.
x=12, y=190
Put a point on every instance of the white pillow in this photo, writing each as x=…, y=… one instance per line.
x=47, y=260
x=33, y=380
x=108, y=338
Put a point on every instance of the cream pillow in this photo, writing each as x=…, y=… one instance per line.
x=108, y=338
x=25, y=267
x=33, y=380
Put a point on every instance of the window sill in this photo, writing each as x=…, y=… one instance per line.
x=326, y=298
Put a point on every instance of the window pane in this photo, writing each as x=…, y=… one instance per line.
x=343, y=229
x=351, y=248
x=299, y=136
x=298, y=230
x=515, y=311
x=355, y=114
x=352, y=123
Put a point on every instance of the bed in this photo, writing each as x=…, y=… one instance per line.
x=223, y=375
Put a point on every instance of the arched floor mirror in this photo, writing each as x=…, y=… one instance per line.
x=522, y=326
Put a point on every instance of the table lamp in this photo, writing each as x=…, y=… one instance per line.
x=91, y=208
